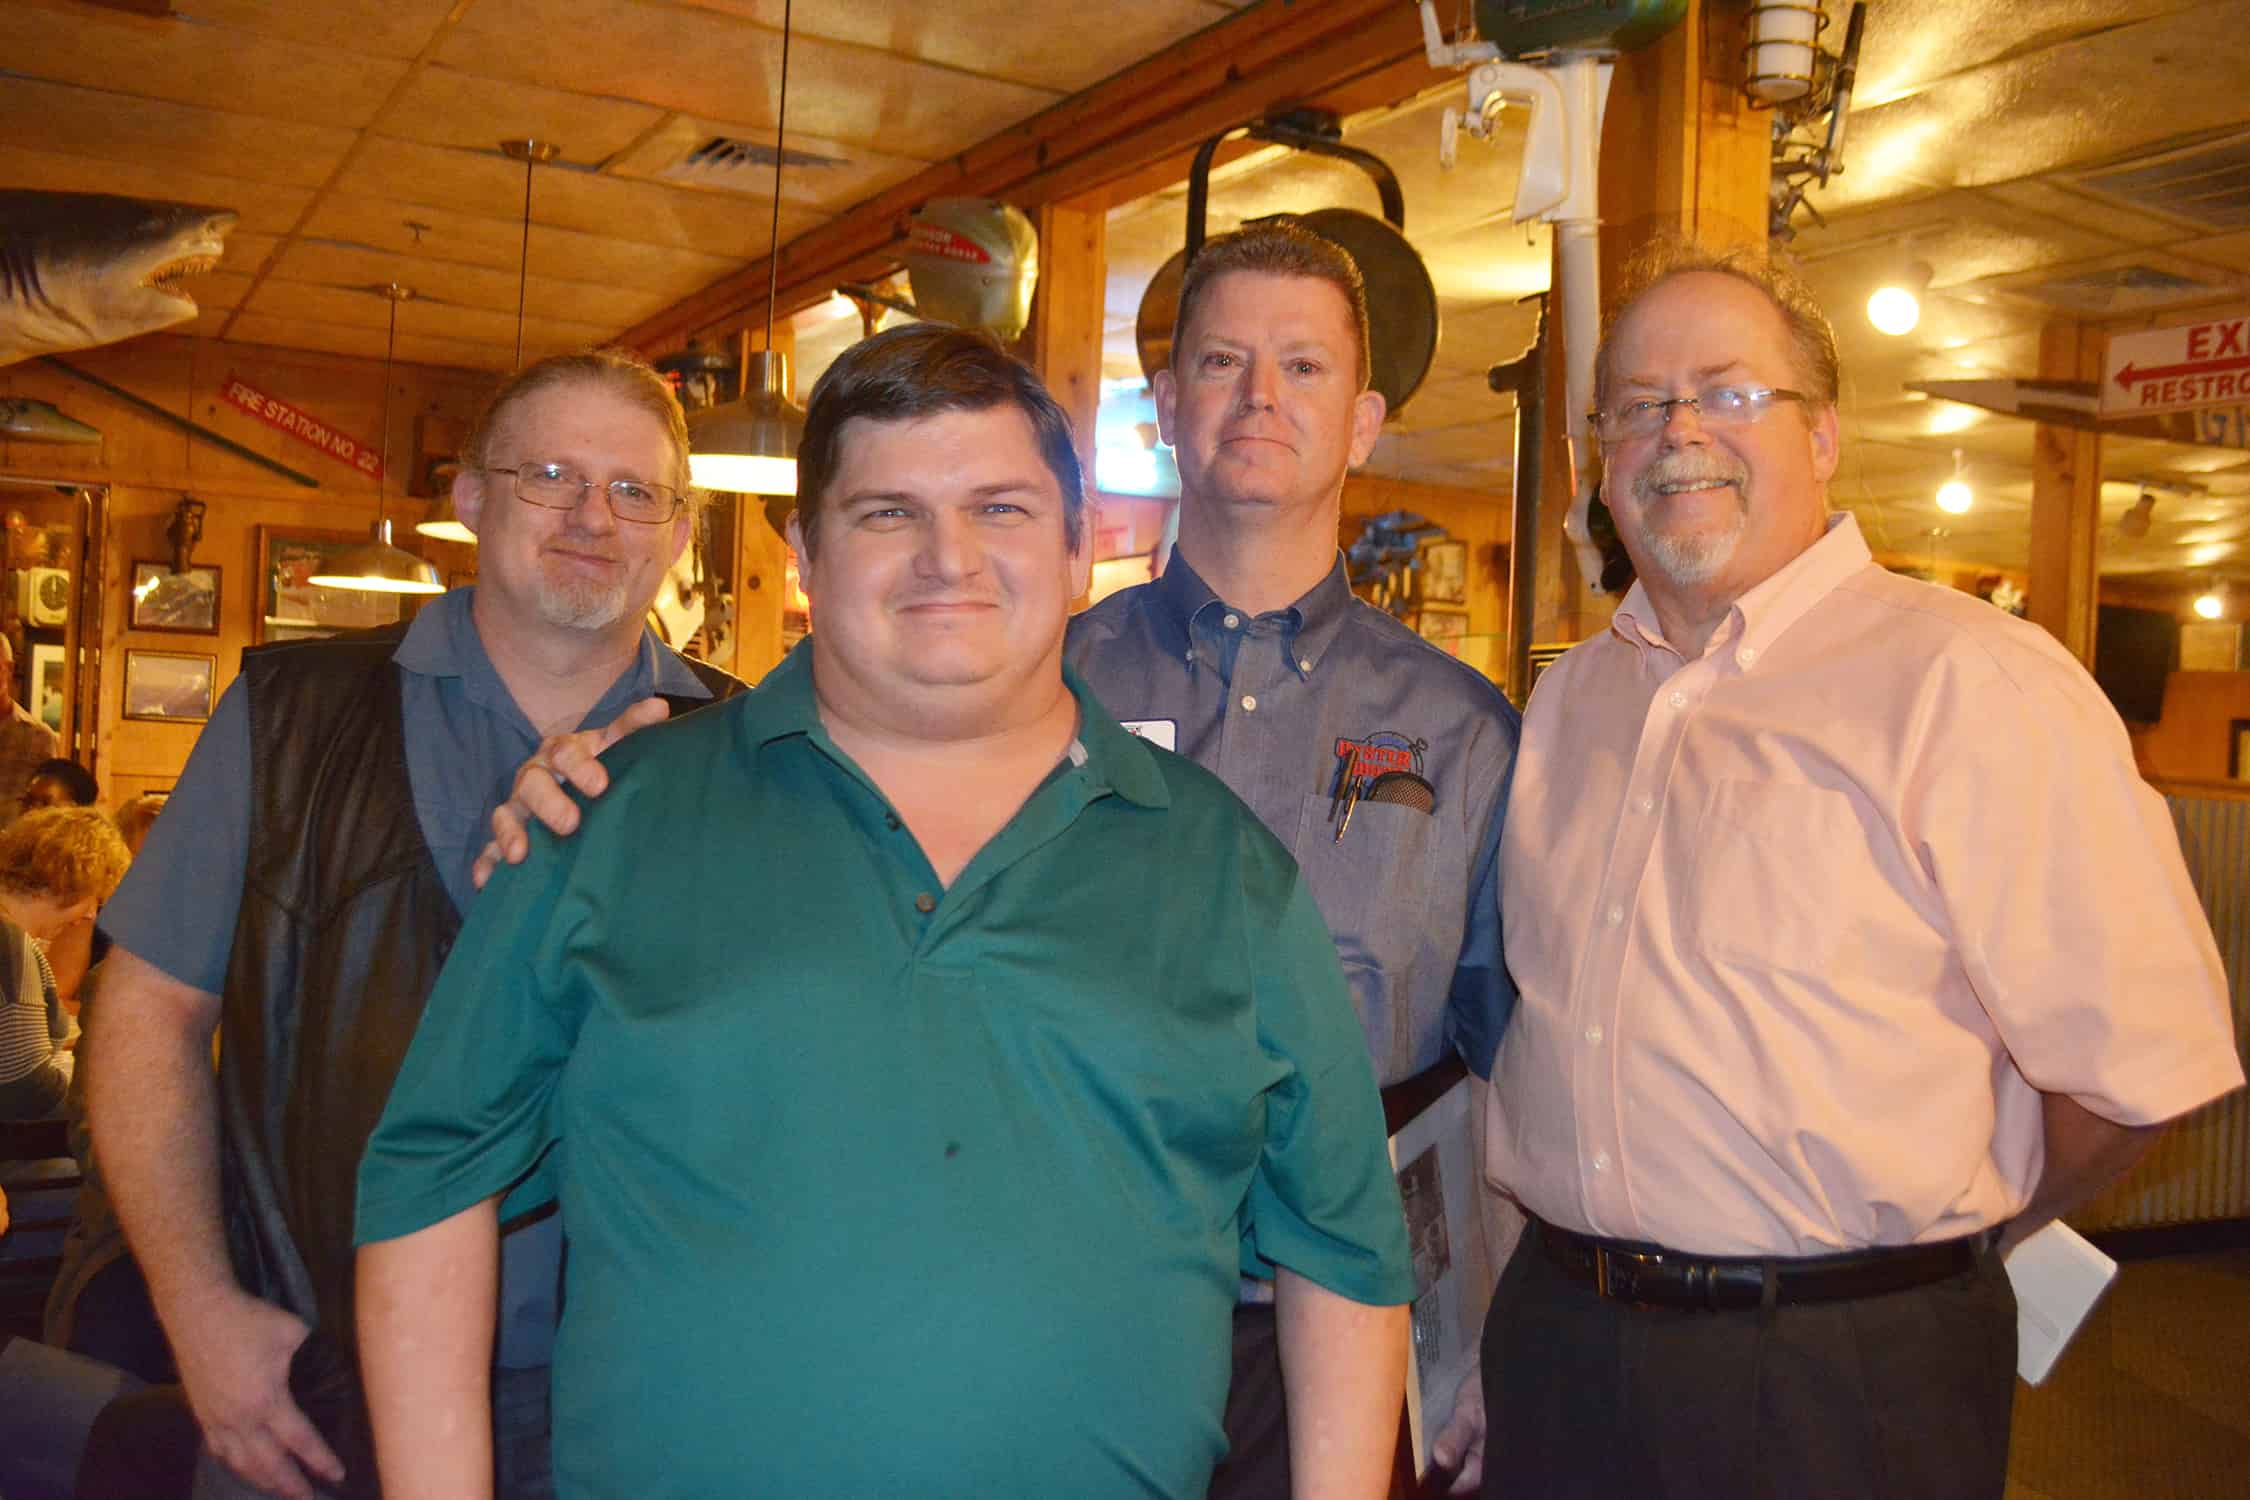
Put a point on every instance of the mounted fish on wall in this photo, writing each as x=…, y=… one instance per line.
x=82, y=269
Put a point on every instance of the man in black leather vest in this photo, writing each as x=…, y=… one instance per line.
x=304, y=887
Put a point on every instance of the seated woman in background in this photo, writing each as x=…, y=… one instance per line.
x=57, y=866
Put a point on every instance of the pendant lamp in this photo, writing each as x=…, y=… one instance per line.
x=443, y=525
x=749, y=445
x=376, y=566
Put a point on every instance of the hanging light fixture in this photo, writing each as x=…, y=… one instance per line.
x=749, y=445
x=2210, y=604
x=1954, y=497
x=1896, y=306
x=443, y=525
x=1780, y=64
x=376, y=566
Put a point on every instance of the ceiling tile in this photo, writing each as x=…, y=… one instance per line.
x=324, y=263
x=423, y=317
x=2229, y=250
x=1047, y=46
x=728, y=68
x=488, y=184
x=379, y=28
x=156, y=133
x=443, y=107
x=263, y=207
x=210, y=67
x=474, y=239
x=836, y=177
x=2103, y=94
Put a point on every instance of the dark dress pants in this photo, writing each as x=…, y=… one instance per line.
x=1867, y=1399
x=1257, y=1417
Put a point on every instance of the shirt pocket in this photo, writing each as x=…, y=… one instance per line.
x=1773, y=875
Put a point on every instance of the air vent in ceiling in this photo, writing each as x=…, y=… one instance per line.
x=2207, y=183
x=2120, y=290
x=722, y=161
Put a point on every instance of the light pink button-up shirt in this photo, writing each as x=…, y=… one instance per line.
x=1804, y=926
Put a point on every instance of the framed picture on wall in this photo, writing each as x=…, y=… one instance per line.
x=1442, y=572
x=290, y=608
x=187, y=603
x=2238, y=749
x=171, y=686
x=49, y=692
x=1445, y=628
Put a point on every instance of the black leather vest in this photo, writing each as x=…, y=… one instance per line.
x=344, y=924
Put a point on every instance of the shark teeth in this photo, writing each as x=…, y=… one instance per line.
x=168, y=278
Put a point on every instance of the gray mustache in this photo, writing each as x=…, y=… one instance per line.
x=1688, y=472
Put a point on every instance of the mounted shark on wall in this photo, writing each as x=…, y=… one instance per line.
x=82, y=269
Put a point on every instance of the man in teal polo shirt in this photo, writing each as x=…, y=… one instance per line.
x=917, y=1056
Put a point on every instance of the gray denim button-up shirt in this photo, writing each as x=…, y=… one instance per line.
x=1280, y=706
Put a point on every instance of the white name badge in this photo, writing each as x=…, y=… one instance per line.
x=1165, y=732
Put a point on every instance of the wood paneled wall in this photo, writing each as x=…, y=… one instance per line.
x=2191, y=741
x=148, y=465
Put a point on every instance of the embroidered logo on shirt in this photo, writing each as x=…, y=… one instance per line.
x=1384, y=750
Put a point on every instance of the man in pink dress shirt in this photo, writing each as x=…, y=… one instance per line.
x=1851, y=947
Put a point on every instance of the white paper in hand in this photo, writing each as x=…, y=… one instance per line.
x=2058, y=1278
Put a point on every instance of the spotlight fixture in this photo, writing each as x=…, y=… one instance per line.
x=1954, y=497
x=1896, y=306
x=2134, y=523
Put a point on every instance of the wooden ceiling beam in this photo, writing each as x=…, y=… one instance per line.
x=1231, y=73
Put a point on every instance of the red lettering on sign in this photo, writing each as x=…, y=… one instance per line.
x=280, y=415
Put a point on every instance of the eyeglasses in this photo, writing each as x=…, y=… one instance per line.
x=561, y=487
x=1715, y=406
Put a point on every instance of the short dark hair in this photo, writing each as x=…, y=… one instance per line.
x=618, y=372
x=72, y=778
x=921, y=370
x=1277, y=247
x=1818, y=369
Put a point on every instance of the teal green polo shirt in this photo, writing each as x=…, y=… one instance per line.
x=878, y=1186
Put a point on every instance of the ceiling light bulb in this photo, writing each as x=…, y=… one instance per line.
x=2209, y=605
x=1894, y=310
x=1954, y=497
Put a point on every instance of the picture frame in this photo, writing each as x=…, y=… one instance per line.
x=169, y=687
x=175, y=603
x=1444, y=628
x=2238, y=750
x=49, y=699
x=1441, y=571
x=289, y=608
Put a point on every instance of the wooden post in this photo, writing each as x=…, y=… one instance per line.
x=1065, y=338
x=2066, y=500
x=1682, y=152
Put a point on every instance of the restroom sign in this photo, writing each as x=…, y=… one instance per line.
x=2177, y=369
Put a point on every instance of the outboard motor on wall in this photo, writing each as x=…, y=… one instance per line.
x=973, y=262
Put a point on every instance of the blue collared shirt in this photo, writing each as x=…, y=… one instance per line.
x=1273, y=704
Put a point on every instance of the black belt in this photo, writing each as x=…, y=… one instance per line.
x=1653, y=1277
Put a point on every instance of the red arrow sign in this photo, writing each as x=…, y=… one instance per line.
x=2131, y=373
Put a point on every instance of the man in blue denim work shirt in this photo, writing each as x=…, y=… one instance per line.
x=286, y=890
x=1251, y=656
